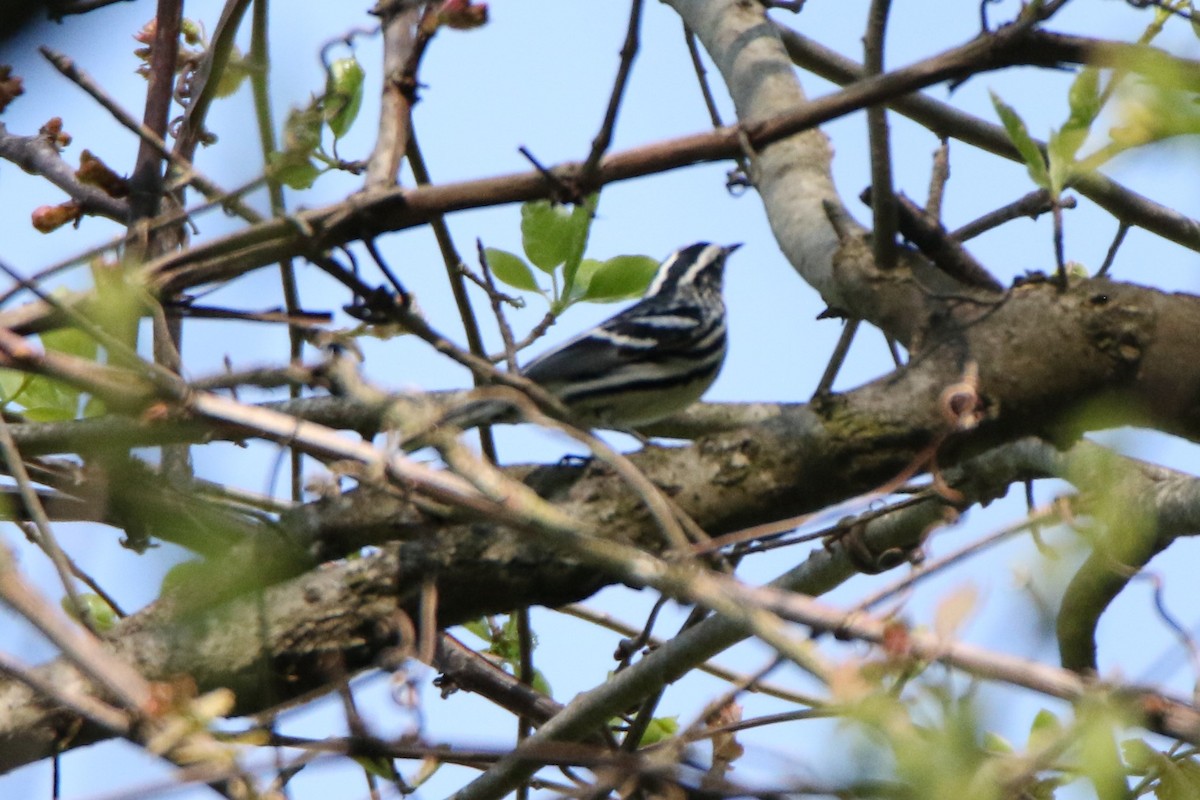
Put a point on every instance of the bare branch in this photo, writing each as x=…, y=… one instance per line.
x=883, y=207
x=943, y=119
x=38, y=155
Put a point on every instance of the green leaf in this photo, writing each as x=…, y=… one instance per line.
x=47, y=400
x=507, y=643
x=659, y=729
x=1084, y=98
x=1140, y=757
x=540, y=683
x=480, y=628
x=49, y=414
x=1045, y=730
x=553, y=235
x=583, y=278
x=120, y=295
x=581, y=217
x=1099, y=758
x=1035, y=163
x=1064, y=144
x=13, y=383
x=237, y=69
x=1060, y=152
x=102, y=614
x=1189, y=771
x=995, y=743
x=620, y=278
x=343, y=95
x=94, y=407
x=379, y=767
x=293, y=170
x=302, y=131
x=179, y=577
x=1173, y=784
x=547, y=231
x=511, y=269
x=70, y=341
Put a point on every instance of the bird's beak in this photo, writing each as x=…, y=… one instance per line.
x=732, y=247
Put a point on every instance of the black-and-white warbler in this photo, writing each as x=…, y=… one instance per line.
x=650, y=361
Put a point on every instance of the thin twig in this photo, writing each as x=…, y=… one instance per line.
x=645, y=713
x=656, y=501
x=717, y=671
x=167, y=218
x=628, y=647
x=883, y=240
x=1031, y=205
x=837, y=358
x=115, y=346
x=121, y=681
x=492, y=291
x=699, y=729
x=710, y=103
x=702, y=77
x=260, y=90
x=938, y=177
x=38, y=156
x=535, y=333
x=87, y=579
x=506, y=334
x=1181, y=633
x=206, y=76
x=944, y=119
x=1060, y=262
x=45, y=533
x=464, y=668
x=86, y=706
x=190, y=175
x=603, y=138
x=301, y=320
x=1111, y=255
x=924, y=231
x=525, y=673
x=933, y=567
x=453, y=261
x=894, y=350
x=974, y=660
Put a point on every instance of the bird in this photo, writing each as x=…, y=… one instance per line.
x=643, y=364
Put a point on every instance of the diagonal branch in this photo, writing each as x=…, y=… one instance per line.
x=945, y=120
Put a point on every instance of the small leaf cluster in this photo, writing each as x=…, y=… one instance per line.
x=1174, y=775
x=504, y=645
x=302, y=159
x=101, y=614
x=41, y=399
x=1058, y=167
x=1161, y=104
x=554, y=238
x=192, y=46
x=931, y=740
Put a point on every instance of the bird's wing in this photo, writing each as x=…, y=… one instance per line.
x=618, y=341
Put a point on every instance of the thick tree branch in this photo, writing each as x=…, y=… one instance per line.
x=1109, y=340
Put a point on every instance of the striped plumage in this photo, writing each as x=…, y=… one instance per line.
x=654, y=358
x=650, y=361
